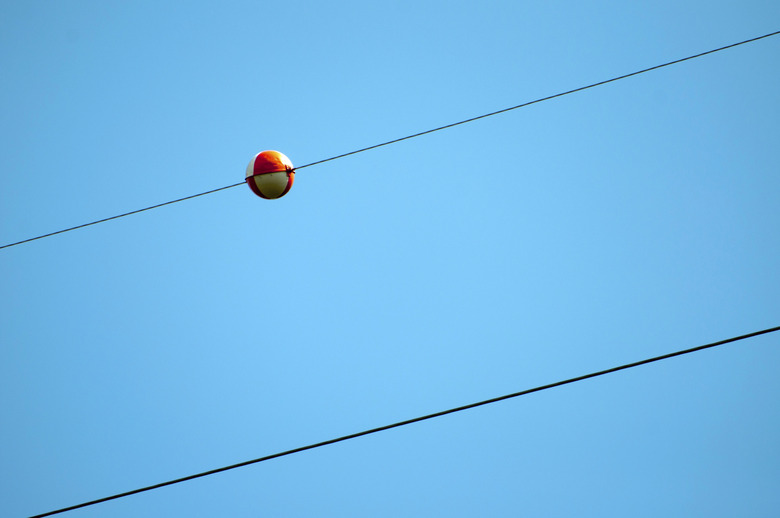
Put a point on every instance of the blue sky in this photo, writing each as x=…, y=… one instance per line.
x=574, y=235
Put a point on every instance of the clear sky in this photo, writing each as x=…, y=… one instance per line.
x=574, y=235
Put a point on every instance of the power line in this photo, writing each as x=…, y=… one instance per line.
x=410, y=421
x=580, y=89
x=547, y=98
x=120, y=215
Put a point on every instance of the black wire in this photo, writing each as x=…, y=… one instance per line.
x=410, y=421
x=416, y=134
x=544, y=98
x=120, y=215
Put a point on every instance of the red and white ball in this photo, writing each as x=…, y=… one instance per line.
x=270, y=174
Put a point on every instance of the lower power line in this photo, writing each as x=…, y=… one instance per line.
x=410, y=421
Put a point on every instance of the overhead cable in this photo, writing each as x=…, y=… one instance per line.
x=472, y=119
x=410, y=421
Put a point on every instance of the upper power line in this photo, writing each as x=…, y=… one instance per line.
x=411, y=421
x=472, y=119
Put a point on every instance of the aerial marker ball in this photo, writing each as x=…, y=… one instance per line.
x=270, y=174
